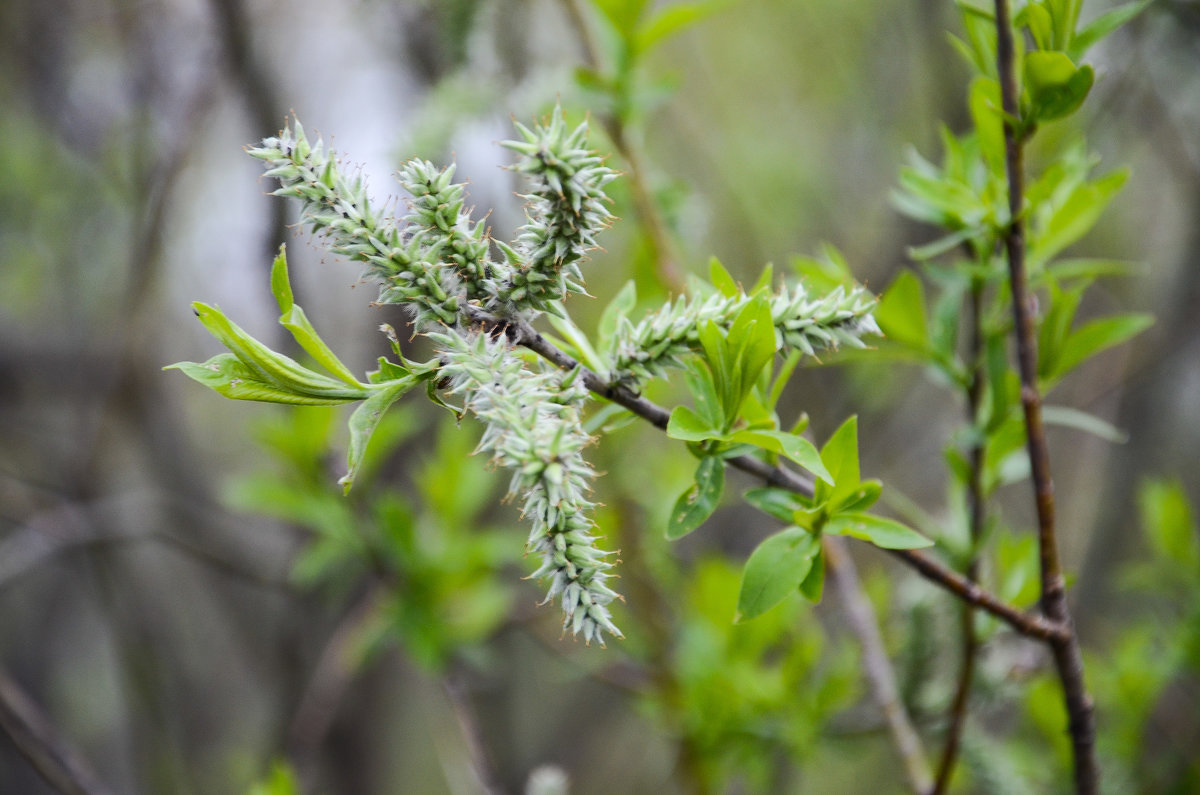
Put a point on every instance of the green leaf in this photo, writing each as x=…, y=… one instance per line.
x=775, y=569
x=1099, y=335
x=672, y=19
x=1075, y=217
x=721, y=279
x=688, y=426
x=813, y=585
x=365, y=419
x=1103, y=25
x=229, y=376
x=1168, y=519
x=292, y=318
x=772, y=501
x=696, y=504
x=884, y=533
x=271, y=367
x=1056, y=87
x=901, y=312
x=840, y=456
x=796, y=448
x=1067, y=417
x=699, y=380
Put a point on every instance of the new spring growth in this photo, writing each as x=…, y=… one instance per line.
x=533, y=429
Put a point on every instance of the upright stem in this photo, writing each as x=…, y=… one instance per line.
x=1067, y=657
x=977, y=513
x=860, y=617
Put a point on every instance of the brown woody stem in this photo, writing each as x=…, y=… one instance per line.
x=1067, y=657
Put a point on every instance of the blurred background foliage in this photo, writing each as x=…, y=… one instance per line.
x=189, y=598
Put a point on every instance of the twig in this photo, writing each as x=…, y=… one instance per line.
x=1067, y=657
x=977, y=513
x=524, y=334
x=329, y=680
x=663, y=250
x=36, y=738
x=468, y=724
x=876, y=666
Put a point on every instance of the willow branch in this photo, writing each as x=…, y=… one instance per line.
x=521, y=333
x=878, y=668
x=1067, y=657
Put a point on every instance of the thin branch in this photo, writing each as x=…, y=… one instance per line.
x=977, y=514
x=327, y=685
x=1067, y=657
x=663, y=249
x=39, y=742
x=860, y=617
x=521, y=333
x=472, y=734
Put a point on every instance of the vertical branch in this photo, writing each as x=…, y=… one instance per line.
x=1067, y=656
x=663, y=250
x=977, y=513
x=876, y=665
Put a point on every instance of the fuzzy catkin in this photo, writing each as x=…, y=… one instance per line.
x=645, y=350
x=533, y=428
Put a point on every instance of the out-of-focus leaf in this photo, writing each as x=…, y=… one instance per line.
x=901, y=312
x=1099, y=335
x=1067, y=417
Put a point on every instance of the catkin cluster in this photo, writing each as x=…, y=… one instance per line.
x=441, y=264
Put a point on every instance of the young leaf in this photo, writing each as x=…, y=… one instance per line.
x=796, y=448
x=270, y=367
x=696, y=504
x=688, y=426
x=721, y=279
x=775, y=569
x=1056, y=87
x=365, y=419
x=884, y=533
x=1099, y=335
x=1170, y=523
x=228, y=376
x=901, y=312
x=779, y=503
x=813, y=585
x=292, y=318
x=1103, y=25
x=840, y=456
x=1067, y=417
